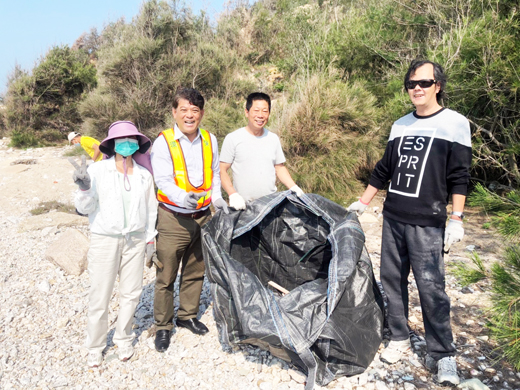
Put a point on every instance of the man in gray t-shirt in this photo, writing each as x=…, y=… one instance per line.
x=255, y=157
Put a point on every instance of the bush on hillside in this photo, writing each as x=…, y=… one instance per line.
x=329, y=135
x=47, y=97
x=142, y=63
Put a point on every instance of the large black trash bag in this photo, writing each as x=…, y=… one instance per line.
x=330, y=323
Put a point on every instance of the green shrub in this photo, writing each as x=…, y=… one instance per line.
x=44, y=102
x=505, y=319
x=24, y=139
x=467, y=274
x=506, y=210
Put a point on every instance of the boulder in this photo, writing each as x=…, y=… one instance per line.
x=57, y=219
x=69, y=252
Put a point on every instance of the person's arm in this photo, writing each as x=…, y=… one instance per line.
x=216, y=190
x=86, y=202
x=458, y=202
x=97, y=152
x=284, y=176
x=225, y=179
x=369, y=194
x=151, y=204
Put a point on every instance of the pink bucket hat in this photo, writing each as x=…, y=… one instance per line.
x=122, y=129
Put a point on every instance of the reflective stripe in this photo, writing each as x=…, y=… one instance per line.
x=181, y=177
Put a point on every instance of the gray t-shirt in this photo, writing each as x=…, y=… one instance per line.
x=252, y=162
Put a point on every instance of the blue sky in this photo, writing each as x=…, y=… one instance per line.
x=28, y=28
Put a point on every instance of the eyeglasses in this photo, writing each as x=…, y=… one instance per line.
x=411, y=84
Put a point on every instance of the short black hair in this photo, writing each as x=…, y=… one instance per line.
x=438, y=74
x=191, y=95
x=257, y=96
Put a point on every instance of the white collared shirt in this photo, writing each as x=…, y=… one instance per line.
x=103, y=202
x=163, y=168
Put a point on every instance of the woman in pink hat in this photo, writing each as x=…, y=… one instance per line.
x=118, y=195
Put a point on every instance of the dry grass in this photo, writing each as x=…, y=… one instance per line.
x=330, y=135
x=45, y=207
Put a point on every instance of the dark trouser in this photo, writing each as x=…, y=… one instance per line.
x=420, y=247
x=178, y=242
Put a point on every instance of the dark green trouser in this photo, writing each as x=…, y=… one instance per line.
x=178, y=243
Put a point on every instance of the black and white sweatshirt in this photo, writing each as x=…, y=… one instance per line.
x=427, y=158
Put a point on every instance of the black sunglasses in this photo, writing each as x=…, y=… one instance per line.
x=411, y=84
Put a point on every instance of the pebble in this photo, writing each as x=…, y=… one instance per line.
x=297, y=376
x=44, y=286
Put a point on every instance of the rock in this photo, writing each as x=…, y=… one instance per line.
x=474, y=372
x=44, y=286
x=467, y=290
x=490, y=372
x=285, y=377
x=367, y=218
x=473, y=384
x=363, y=379
x=49, y=231
x=69, y=252
x=409, y=386
x=297, y=376
x=470, y=248
x=263, y=385
x=380, y=385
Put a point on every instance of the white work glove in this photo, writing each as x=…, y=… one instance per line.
x=297, y=190
x=80, y=175
x=190, y=202
x=220, y=204
x=454, y=233
x=237, y=202
x=148, y=253
x=357, y=207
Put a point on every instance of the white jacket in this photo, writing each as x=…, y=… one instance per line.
x=103, y=202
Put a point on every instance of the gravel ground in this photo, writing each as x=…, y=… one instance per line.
x=43, y=312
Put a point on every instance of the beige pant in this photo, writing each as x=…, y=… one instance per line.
x=109, y=256
x=178, y=242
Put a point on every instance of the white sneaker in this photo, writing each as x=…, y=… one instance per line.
x=447, y=371
x=125, y=353
x=395, y=351
x=94, y=359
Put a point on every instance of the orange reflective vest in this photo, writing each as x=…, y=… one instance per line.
x=181, y=174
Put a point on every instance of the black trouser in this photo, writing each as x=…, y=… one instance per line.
x=420, y=247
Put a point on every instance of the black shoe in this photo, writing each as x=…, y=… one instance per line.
x=194, y=325
x=162, y=340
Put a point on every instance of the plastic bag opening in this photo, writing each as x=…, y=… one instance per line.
x=289, y=247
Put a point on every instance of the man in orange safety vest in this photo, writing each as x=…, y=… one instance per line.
x=186, y=171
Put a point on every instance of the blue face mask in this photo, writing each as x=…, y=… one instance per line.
x=78, y=145
x=126, y=146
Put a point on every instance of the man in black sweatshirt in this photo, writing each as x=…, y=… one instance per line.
x=427, y=158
